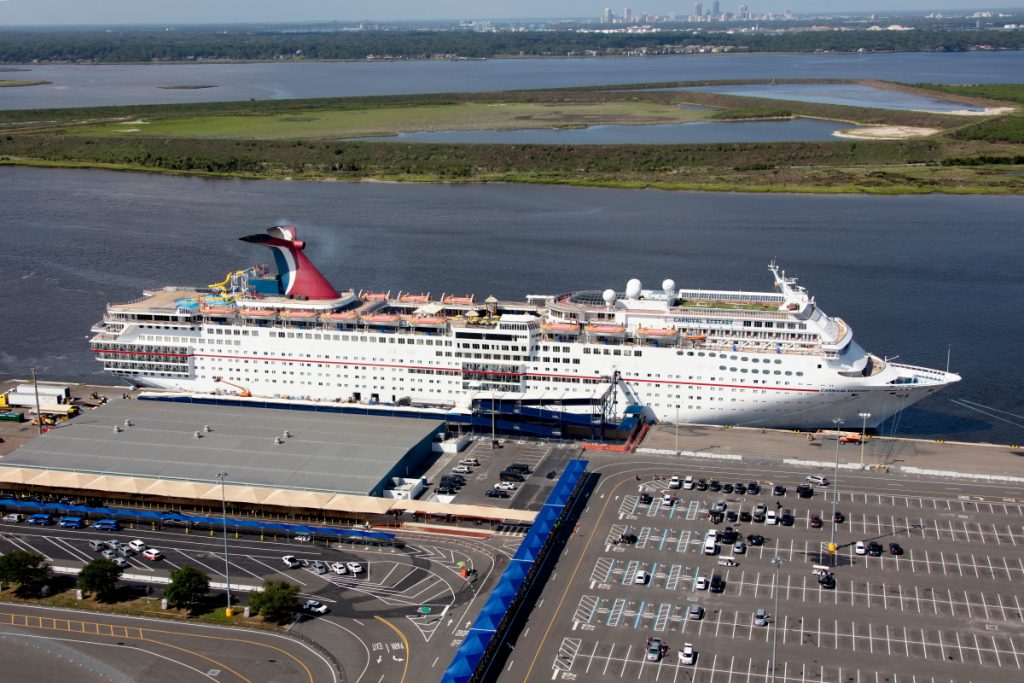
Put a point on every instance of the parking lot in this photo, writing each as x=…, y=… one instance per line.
x=948, y=608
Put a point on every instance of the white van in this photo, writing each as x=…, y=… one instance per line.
x=710, y=547
x=138, y=545
x=771, y=518
x=675, y=482
x=688, y=483
x=817, y=479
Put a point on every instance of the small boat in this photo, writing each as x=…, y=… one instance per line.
x=560, y=328
x=217, y=310
x=298, y=315
x=452, y=299
x=695, y=337
x=382, y=319
x=341, y=317
x=414, y=298
x=375, y=296
x=658, y=333
x=257, y=312
x=606, y=330
x=424, y=321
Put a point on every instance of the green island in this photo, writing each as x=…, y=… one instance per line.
x=21, y=84
x=890, y=151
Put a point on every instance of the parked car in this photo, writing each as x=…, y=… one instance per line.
x=745, y=516
x=470, y=462
x=701, y=485
x=319, y=567
x=138, y=545
x=13, y=518
x=668, y=500
x=354, y=567
x=731, y=516
x=717, y=584
x=753, y=488
x=817, y=479
x=505, y=486
x=716, y=517
x=805, y=491
x=740, y=488
x=444, y=491
x=875, y=549
x=838, y=517
x=719, y=506
x=739, y=548
x=726, y=488
x=827, y=581
x=314, y=606
x=97, y=545
x=109, y=554
x=787, y=518
x=654, y=650
x=675, y=482
x=760, y=617
x=71, y=523
x=641, y=578
x=152, y=554
x=755, y=539
x=303, y=538
x=771, y=518
x=519, y=467
x=688, y=483
x=107, y=525
x=122, y=563
x=124, y=550
x=714, y=485
x=895, y=549
x=700, y=583
x=496, y=493
x=815, y=522
x=687, y=656
x=778, y=490
x=696, y=612
x=40, y=520
x=728, y=535
x=861, y=548
x=646, y=499
x=508, y=475
x=291, y=561
x=461, y=469
x=339, y=568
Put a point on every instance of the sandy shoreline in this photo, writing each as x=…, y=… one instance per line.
x=885, y=133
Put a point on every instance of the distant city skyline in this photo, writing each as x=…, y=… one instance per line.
x=111, y=12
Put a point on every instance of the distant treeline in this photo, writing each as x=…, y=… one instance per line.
x=147, y=45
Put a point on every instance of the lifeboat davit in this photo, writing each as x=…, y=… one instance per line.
x=463, y=300
x=387, y=319
x=657, y=333
x=606, y=330
x=298, y=315
x=561, y=328
x=217, y=310
x=257, y=312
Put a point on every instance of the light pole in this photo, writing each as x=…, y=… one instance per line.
x=224, y=516
x=835, y=495
x=778, y=561
x=677, y=429
x=863, y=430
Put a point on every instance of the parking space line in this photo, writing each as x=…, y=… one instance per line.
x=661, y=618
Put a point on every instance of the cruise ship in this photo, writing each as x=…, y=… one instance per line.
x=764, y=359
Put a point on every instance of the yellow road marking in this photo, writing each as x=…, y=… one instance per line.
x=405, y=643
x=193, y=652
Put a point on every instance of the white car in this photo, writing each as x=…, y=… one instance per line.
x=641, y=578
x=339, y=568
x=354, y=567
x=461, y=469
x=860, y=548
x=688, y=483
x=687, y=655
x=314, y=606
x=675, y=482
x=138, y=545
x=291, y=561
x=152, y=554
x=505, y=486
x=701, y=583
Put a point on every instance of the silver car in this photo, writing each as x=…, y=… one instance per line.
x=760, y=618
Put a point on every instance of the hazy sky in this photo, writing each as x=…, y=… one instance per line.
x=202, y=11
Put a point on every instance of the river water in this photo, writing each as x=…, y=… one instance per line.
x=912, y=275
x=83, y=86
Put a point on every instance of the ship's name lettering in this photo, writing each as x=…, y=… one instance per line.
x=702, y=321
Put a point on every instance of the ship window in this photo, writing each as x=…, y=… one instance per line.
x=778, y=372
x=799, y=374
x=788, y=373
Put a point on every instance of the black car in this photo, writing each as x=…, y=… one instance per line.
x=454, y=478
x=444, y=491
x=745, y=516
x=519, y=468
x=787, y=518
x=728, y=535
x=758, y=517
x=731, y=516
x=804, y=491
x=496, y=493
x=715, y=485
x=779, y=490
x=755, y=539
x=726, y=488
x=717, y=584
x=753, y=488
x=875, y=549
x=827, y=581
x=627, y=538
x=507, y=475
x=716, y=517
x=895, y=549
x=702, y=485
x=740, y=488
x=646, y=499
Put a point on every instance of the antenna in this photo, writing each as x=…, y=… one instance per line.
x=949, y=352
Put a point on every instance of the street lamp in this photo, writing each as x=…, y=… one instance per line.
x=778, y=561
x=677, y=429
x=863, y=430
x=835, y=494
x=224, y=516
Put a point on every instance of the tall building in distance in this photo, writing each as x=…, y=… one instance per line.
x=607, y=16
x=698, y=11
x=627, y=15
x=716, y=10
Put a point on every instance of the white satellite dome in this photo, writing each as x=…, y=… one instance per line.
x=609, y=296
x=669, y=286
x=633, y=288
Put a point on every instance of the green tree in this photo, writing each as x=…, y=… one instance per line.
x=99, y=577
x=23, y=568
x=188, y=587
x=278, y=601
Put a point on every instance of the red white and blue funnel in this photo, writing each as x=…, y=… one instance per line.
x=299, y=277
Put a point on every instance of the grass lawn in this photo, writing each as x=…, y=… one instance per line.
x=393, y=120
x=19, y=84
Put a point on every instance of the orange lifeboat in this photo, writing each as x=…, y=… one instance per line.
x=606, y=330
x=414, y=298
x=217, y=310
x=375, y=296
x=695, y=337
x=343, y=316
x=452, y=299
x=381, y=319
x=424, y=321
x=298, y=315
x=658, y=333
x=258, y=312
x=560, y=328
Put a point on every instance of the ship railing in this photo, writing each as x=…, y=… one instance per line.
x=927, y=373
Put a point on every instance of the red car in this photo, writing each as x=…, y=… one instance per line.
x=838, y=518
x=815, y=522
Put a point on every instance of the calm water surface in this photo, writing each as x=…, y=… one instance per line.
x=795, y=130
x=82, y=86
x=911, y=275
x=850, y=94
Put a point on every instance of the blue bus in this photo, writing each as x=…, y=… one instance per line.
x=107, y=525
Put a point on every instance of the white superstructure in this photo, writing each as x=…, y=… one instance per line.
x=771, y=359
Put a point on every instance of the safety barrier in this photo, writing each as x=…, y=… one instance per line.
x=691, y=454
